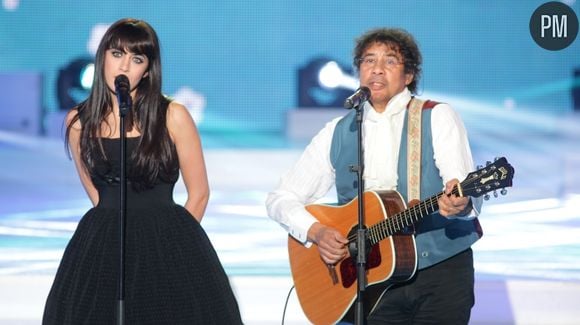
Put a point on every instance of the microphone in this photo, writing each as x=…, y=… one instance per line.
x=123, y=93
x=360, y=96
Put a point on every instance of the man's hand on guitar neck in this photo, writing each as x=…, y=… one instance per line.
x=332, y=245
x=452, y=204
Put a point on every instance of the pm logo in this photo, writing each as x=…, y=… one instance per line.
x=554, y=26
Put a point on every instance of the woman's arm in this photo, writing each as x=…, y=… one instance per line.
x=191, y=162
x=74, y=146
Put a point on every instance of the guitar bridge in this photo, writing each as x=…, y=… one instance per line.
x=332, y=272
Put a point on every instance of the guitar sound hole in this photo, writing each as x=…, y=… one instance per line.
x=348, y=266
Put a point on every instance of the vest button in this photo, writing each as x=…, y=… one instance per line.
x=425, y=254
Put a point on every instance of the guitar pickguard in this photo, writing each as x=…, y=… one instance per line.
x=348, y=266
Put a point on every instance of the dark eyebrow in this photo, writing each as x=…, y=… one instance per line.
x=118, y=49
x=395, y=54
x=142, y=55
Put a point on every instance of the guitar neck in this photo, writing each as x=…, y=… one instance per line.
x=493, y=176
x=403, y=219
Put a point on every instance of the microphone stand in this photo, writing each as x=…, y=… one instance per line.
x=361, y=242
x=124, y=107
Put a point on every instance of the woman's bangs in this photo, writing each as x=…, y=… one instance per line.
x=133, y=40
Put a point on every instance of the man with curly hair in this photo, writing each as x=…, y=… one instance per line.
x=441, y=291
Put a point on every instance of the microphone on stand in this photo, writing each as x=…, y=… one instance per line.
x=360, y=96
x=122, y=89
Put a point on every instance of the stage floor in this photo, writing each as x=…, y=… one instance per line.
x=527, y=264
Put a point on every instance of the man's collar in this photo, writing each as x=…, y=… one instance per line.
x=396, y=105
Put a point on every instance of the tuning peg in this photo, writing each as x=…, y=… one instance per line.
x=494, y=193
x=486, y=197
x=479, y=167
x=487, y=163
x=503, y=191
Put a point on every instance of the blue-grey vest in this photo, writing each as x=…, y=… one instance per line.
x=437, y=237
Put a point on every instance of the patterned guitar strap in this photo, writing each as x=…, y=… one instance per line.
x=414, y=149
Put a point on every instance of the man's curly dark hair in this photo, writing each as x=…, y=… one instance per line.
x=399, y=40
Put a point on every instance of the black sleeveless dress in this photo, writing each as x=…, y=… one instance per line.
x=172, y=272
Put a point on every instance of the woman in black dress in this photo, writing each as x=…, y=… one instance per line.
x=172, y=272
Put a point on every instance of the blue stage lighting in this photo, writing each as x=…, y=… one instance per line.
x=323, y=82
x=74, y=82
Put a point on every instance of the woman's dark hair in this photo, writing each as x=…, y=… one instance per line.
x=155, y=154
x=400, y=41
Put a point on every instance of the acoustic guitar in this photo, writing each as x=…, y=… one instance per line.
x=327, y=293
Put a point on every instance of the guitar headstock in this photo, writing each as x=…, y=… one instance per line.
x=496, y=175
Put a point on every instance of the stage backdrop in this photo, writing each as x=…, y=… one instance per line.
x=235, y=63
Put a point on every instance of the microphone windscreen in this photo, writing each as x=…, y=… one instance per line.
x=121, y=81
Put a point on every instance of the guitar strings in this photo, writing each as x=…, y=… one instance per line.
x=390, y=226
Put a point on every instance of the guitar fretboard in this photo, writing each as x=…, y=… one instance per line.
x=495, y=175
x=399, y=221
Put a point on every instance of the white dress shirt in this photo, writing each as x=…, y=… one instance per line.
x=313, y=175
